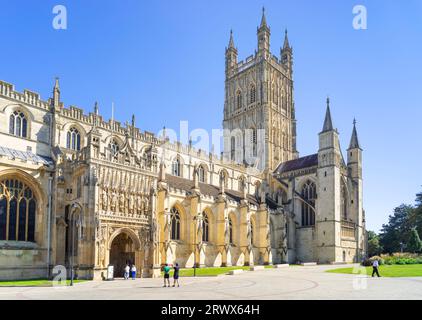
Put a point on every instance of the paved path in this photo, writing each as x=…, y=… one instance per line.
x=287, y=283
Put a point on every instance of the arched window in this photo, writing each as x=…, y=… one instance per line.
x=309, y=196
x=18, y=124
x=252, y=94
x=252, y=233
x=73, y=139
x=239, y=99
x=17, y=211
x=230, y=231
x=254, y=143
x=232, y=148
x=114, y=147
x=201, y=174
x=344, y=201
x=205, y=227
x=175, y=224
x=175, y=168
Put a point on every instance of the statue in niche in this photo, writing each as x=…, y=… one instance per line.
x=122, y=202
x=139, y=204
x=113, y=201
x=131, y=203
x=104, y=198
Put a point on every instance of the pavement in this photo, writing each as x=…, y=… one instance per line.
x=292, y=283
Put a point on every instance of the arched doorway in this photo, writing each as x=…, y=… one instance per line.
x=122, y=252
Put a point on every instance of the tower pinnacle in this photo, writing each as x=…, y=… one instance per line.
x=263, y=19
x=231, y=42
x=354, y=141
x=328, y=124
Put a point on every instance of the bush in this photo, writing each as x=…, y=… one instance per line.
x=401, y=258
x=368, y=262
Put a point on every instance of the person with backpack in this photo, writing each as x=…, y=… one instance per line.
x=166, y=270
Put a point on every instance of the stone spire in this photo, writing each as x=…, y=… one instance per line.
x=56, y=94
x=263, y=33
x=231, y=42
x=286, y=44
x=328, y=124
x=354, y=141
x=263, y=20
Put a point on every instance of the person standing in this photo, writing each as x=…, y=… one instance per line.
x=375, y=266
x=176, y=275
x=127, y=269
x=166, y=270
x=133, y=271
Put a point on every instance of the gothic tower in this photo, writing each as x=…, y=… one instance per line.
x=328, y=217
x=259, y=119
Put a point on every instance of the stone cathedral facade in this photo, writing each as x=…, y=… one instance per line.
x=76, y=190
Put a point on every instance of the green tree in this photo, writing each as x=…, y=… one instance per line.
x=414, y=244
x=374, y=247
x=397, y=230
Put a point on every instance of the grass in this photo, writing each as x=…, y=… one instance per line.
x=411, y=270
x=33, y=283
x=207, y=272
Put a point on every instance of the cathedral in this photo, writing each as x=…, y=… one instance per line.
x=85, y=193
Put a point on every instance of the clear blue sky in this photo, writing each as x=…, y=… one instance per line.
x=164, y=61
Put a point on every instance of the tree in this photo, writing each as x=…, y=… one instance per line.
x=415, y=244
x=397, y=230
x=374, y=247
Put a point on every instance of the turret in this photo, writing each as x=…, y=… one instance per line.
x=286, y=53
x=263, y=33
x=56, y=95
x=231, y=55
x=354, y=155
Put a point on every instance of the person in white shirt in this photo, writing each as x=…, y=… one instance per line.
x=375, y=268
x=127, y=269
x=133, y=271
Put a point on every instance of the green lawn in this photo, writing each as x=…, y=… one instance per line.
x=214, y=271
x=395, y=270
x=33, y=283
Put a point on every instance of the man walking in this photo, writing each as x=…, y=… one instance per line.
x=166, y=270
x=375, y=266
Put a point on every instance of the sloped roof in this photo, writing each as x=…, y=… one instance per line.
x=206, y=189
x=299, y=163
x=27, y=156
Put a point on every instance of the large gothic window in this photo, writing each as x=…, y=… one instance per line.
x=252, y=94
x=18, y=124
x=175, y=224
x=201, y=174
x=308, y=203
x=344, y=201
x=232, y=148
x=73, y=139
x=205, y=228
x=17, y=211
x=239, y=100
x=175, y=167
x=230, y=231
x=252, y=233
